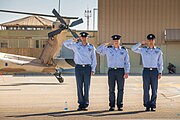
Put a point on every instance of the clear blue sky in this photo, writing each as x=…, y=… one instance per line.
x=73, y=8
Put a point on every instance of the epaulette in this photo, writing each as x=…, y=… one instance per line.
x=123, y=47
x=158, y=48
x=110, y=46
x=144, y=46
x=90, y=44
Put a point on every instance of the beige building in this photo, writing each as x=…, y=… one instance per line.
x=28, y=32
x=27, y=36
x=134, y=19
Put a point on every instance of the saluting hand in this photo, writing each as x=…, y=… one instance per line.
x=107, y=44
x=143, y=42
x=76, y=39
x=126, y=75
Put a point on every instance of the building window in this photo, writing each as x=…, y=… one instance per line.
x=37, y=43
x=4, y=45
x=44, y=43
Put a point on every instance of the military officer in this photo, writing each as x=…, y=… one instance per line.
x=153, y=67
x=85, y=60
x=118, y=69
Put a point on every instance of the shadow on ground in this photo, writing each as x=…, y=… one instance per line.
x=100, y=113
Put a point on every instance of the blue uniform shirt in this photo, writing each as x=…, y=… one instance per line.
x=152, y=58
x=116, y=58
x=82, y=54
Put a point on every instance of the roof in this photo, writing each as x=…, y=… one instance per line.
x=33, y=21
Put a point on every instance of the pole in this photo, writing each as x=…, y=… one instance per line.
x=94, y=18
x=59, y=6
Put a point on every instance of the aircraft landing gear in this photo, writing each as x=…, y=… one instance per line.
x=59, y=77
x=61, y=80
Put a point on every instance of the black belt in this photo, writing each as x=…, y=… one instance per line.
x=150, y=68
x=115, y=68
x=83, y=65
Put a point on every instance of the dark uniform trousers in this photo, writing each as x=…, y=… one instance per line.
x=83, y=78
x=116, y=75
x=150, y=79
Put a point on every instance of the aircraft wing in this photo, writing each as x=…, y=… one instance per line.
x=16, y=59
x=64, y=63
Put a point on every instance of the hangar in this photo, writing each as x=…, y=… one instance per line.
x=134, y=19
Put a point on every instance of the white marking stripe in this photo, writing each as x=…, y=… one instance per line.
x=15, y=61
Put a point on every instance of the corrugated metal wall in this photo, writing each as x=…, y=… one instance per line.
x=134, y=19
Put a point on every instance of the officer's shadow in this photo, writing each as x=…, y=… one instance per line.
x=79, y=113
x=43, y=114
x=118, y=113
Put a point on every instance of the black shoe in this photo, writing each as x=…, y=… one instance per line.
x=111, y=109
x=120, y=109
x=153, y=109
x=147, y=109
x=79, y=109
x=84, y=109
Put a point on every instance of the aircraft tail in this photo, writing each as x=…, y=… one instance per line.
x=52, y=48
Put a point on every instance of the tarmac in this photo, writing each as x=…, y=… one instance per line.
x=43, y=98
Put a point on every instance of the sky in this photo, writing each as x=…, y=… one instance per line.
x=72, y=8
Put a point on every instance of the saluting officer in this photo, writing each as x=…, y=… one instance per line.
x=85, y=60
x=153, y=67
x=119, y=67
